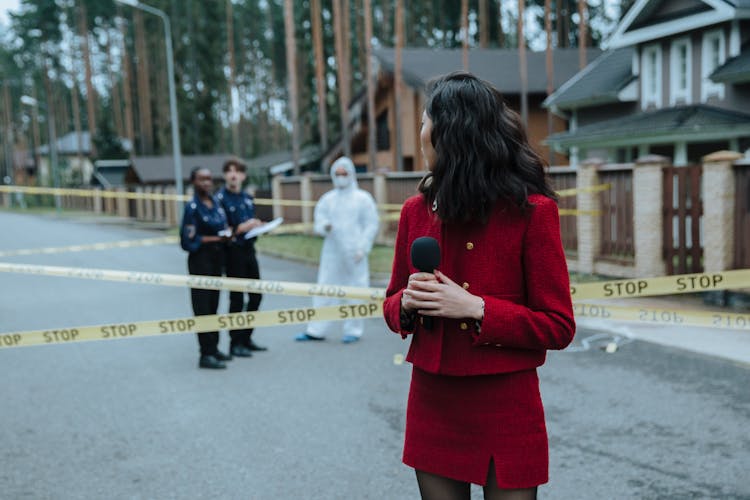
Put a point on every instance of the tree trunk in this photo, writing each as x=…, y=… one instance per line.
x=8, y=141
x=582, y=42
x=233, y=104
x=114, y=90
x=347, y=27
x=465, y=34
x=144, y=90
x=126, y=89
x=522, y=65
x=385, y=34
x=291, y=65
x=338, y=37
x=36, y=137
x=359, y=34
x=484, y=24
x=273, y=127
x=549, y=68
x=397, y=78
x=562, y=22
x=90, y=93
x=320, y=83
x=371, y=86
x=500, y=30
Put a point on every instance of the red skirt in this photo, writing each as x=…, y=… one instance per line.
x=456, y=425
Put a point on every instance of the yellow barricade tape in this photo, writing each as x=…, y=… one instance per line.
x=211, y=323
x=663, y=316
x=203, y=282
x=281, y=317
x=590, y=189
x=663, y=285
x=90, y=193
x=644, y=287
x=570, y=211
x=166, y=240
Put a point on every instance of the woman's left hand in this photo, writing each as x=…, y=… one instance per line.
x=446, y=299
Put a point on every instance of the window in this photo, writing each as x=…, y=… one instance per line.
x=651, y=76
x=680, y=72
x=713, y=55
x=383, y=135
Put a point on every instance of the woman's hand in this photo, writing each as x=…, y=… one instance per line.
x=437, y=295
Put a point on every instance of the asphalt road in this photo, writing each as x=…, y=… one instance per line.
x=136, y=418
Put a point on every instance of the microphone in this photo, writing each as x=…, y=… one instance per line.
x=425, y=256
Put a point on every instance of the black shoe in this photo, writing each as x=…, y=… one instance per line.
x=222, y=357
x=255, y=347
x=211, y=362
x=240, y=351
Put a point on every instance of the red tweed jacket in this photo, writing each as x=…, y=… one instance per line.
x=515, y=263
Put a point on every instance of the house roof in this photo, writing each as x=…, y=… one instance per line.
x=649, y=20
x=155, y=169
x=68, y=144
x=683, y=123
x=736, y=69
x=152, y=169
x=281, y=161
x=497, y=66
x=598, y=83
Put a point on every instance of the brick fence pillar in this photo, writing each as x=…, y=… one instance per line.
x=648, y=219
x=278, y=210
x=589, y=226
x=305, y=194
x=380, y=188
x=718, y=210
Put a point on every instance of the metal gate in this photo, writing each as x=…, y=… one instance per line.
x=683, y=213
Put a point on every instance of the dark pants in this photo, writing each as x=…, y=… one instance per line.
x=241, y=263
x=208, y=260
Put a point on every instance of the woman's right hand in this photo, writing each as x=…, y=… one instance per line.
x=408, y=302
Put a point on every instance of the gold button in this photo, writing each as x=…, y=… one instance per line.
x=469, y=245
x=463, y=326
x=466, y=286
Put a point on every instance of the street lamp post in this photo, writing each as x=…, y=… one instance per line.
x=51, y=144
x=172, y=95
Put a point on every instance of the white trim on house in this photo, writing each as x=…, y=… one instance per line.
x=708, y=87
x=734, y=39
x=651, y=76
x=621, y=37
x=629, y=92
x=681, y=84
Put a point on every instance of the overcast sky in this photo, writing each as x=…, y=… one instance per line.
x=6, y=5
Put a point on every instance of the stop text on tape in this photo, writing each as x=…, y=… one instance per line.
x=663, y=316
x=279, y=317
x=202, y=282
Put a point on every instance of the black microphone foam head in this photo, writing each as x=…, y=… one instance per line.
x=425, y=254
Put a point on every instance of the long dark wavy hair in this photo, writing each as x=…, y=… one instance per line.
x=483, y=154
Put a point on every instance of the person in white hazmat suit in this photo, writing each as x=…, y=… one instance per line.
x=347, y=218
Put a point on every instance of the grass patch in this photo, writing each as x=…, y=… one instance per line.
x=307, y=249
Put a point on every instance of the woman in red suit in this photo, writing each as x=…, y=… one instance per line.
x=498, y=299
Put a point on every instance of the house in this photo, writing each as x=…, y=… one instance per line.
x=419, y=66
x=674, y=81
x=75, y=169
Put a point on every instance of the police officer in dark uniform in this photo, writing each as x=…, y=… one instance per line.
x=203, y=234
x=241, y=261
